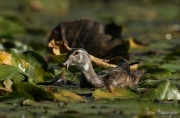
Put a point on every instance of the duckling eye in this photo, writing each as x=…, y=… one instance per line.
x=76, y=53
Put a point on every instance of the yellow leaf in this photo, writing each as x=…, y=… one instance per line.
x=67, y=96
x=118, y=92
x=58, y=47
x=5, y=58
x=133, y=44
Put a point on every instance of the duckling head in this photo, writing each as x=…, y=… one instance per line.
x=79, y=58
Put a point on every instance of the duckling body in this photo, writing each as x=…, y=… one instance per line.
x=118, y=76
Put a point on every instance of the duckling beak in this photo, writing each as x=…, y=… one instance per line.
x=66, y=63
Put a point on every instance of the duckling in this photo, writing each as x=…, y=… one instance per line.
x=118, y=76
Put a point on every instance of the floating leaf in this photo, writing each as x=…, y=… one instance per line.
x=122, y=93
x=148, y=80
x=59, y=58
x=37, y=66
x=81, y=91
x=37, y=93
x=35, y=59
x=17, y=60
x=164, y=90
x=172, y=67
x=36, y=73
x=67, y=96
x=147, y=76
x=16, y=96
x=7, y=71
x=149, y=83
x=74, y=77
x=159, y=72
x=31, y=63
x=47, y=76
x=29, y=102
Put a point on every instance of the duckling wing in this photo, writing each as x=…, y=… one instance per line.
x=119, y=77
x=104, y=72
x=126, y=68
x=113, y=74
x=138, y=74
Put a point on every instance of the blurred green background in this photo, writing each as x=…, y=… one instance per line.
x=27, y=24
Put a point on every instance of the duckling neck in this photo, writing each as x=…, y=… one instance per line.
x=90, y=78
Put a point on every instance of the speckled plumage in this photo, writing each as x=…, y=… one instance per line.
x=118, y=76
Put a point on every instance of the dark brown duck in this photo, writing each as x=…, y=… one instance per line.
x=118, y=76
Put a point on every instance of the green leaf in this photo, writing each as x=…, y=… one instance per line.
x=163, y=90
x=172, y=67
x=59, y=58
x=35, y=72
x=10, y=25
x=47, y=76
x=35, y=59
x=32, y=66
x=7, y=71
x=159, y=72
x=147, y=76
x=74, y=77
x=148, y=80
x=16, y=96
x=37, y=93
x=67, y=96
x=122, y=93
x=149, y=83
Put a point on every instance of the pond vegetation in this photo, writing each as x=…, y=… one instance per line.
x=149, y=32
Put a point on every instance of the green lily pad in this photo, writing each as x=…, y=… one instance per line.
x=35, y=72
x=47, y=76
x=35, y=59
x=17, y=60
x=122, y=93
x=67, y=96
x=20, y=70
x=16, y=96
x=73, y=76
x=31, y=63
x=37, y=93
x=159, y=72
x=163, y=90
x=60, y=58
x=149, y=83
x=171, y=67
x=8, y=71
x=148, y=80
x=147, y=76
